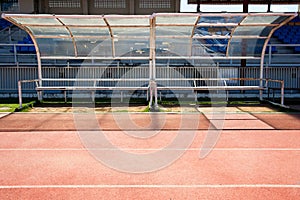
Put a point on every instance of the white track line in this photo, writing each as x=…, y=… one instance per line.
x=148, y=149
x=147, y=186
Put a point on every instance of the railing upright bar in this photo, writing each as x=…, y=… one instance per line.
x=20, y=94
x=282, y=92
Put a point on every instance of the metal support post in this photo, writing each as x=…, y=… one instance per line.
x=20, y=94
x=65, y=95
x=93, y=96
x=147, y=94
x=282, y=93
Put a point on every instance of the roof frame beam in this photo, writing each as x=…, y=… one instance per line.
x=109, y=22
x=71, y=35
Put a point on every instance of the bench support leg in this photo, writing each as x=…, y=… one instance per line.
x=153, y=93
x=155, y=97
x=93, y=96
x=65, y=95
x=40, y=95
x=227, y=95
x=260, y=95
x=282, y=93
x=147, y=95
x=20, y=94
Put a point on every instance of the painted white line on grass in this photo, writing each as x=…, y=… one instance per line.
x=147, y=186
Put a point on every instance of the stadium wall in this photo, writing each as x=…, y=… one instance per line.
x=96, y=7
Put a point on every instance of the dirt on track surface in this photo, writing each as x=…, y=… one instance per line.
x=163, y=108
x=103, y=109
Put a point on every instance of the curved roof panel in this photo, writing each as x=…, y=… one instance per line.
x=172, y=35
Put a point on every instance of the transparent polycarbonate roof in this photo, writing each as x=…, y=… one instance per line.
x=163, y=35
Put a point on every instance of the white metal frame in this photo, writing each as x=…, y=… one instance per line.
x=153, y=24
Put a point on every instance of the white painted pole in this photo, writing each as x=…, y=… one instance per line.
x=20, y=94
x=282, y=93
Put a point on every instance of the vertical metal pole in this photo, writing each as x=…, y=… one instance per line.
x=244, y=49
x=152, y=63
x=40, y=93
x=15, y=54
x=151, y=96
x=155, y=95
x=261, y=74
x=65, y=95
x=270, y=54
x=245, y=6
x=150, y=82
x=20, y=93
x=147, y=95
x=9, y=32
x=153, y=44
x=269, y=5
x=112, y=38
x=198, y=6
x=18, y=72
x=282, y=92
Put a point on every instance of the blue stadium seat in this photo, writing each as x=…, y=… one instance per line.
x=31, y=49
x=277, y=33
x=4, y=24
x=294, y=41
x=296, y=19
x=26, y=49
x=289, y=34
x=287, y=40
x=273, y=49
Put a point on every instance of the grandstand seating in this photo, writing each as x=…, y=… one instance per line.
x=220, y=45
x=4, y=24
x=25, y=49
x=26, y=40
x=214, y=45
x=29, y=48
x=273, y=49
x=290, y=34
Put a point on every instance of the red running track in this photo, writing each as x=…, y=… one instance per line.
x=257, y=156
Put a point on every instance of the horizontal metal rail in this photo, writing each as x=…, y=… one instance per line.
x=225, y=87
x=148, y=57
x=213, y=88
x=9, y=52
x=89, y=88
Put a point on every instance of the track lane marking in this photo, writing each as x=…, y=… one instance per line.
x=148, y=186
x=148, y=149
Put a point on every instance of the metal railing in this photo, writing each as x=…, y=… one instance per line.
x=14, y=54
x=11, y=54
x=9, y=76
